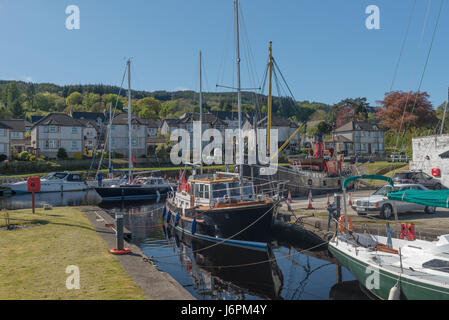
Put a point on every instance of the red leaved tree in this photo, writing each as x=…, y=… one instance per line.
x=419, y=112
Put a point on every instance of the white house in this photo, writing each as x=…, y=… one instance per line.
x=120, y=138
x=432, y=152
x=55, y=131
x=356, y=137
x=4, y=140
x=18, y=140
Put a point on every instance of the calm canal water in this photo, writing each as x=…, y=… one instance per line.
x=211, y=271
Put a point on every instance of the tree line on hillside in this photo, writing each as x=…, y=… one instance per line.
x=401, y=114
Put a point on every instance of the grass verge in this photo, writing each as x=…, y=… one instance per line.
x=33, y=261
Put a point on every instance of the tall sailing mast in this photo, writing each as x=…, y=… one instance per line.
x=270, y=70
x=239, y=95
x=109, y=140
x=201, y=118
x=130, y=179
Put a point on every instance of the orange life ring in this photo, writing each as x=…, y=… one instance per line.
x=341, y=224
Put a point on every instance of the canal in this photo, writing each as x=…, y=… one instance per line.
x=216, y=271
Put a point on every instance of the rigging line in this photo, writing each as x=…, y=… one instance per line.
x=224, y=56
x=414, y=70
x=403, y=45
x=424, y=70
x=286, y=84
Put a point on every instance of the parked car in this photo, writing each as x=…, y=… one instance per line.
x=418, y=177
x=398, y=157
x=379, y=203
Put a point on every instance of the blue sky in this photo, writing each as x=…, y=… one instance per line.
x=322, y=47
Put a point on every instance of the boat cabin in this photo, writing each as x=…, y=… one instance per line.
x=151, y=180
x=214, y=191
x=72, y=177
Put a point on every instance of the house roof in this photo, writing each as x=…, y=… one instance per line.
x=277, y=122
x=35, y=118
x=88, y=115
x=189, y=117
x=171, y=122
x=16, y=124
x=122, y=119
x=340, y=138
x=60, y=119
x=151, y=123
x=358, y=126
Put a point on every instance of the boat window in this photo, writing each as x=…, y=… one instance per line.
x=248, y=188
x=197, y=190
x=74, y=177
x=201, y=190
x=437, y=264
x=219, y=190
x=206, y=191
x=59, y=175
x=235, y=189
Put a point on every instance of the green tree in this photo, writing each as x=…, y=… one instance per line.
x=90, y=99
x=148, y=107
x=75, y=98
x=108, y=98
x=12, y=100
x=62, y=154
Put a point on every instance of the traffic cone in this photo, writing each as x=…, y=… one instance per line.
x=289, y=197
x=328, y=202
x=309, y=206
x=349, y=199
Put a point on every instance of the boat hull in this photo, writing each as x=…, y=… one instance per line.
x=410, y=289
x=132, y=193
x=246, y=226
x=21, y=187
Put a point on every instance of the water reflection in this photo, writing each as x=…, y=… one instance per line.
x=228, y=272
x=55, y=199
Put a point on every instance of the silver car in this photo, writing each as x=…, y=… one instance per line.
x=379, y=203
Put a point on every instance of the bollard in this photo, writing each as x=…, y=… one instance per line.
x=120, y=249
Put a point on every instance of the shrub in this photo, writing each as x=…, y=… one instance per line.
x=3, y=157
x=77, y=156
x=62, y=154
x=24, y=156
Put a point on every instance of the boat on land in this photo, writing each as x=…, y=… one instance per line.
x=396, y=268
x=53, y=182
x=144, y=188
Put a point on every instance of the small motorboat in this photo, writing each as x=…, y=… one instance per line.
x=53, y=182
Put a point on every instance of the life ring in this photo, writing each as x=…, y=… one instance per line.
x=341, y=224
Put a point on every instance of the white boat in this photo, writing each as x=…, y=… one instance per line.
x=54, y=182
x=415, y=270
x=402, y=268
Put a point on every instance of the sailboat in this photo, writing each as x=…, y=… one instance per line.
x=390, y=268
x=223, y=207
x=139, y=189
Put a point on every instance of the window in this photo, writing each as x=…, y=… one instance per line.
x=133, y=141
x=74, y=145
x=16, y=135
x=381, y=146
x=219, y=190
x=2, y=147
x=357, y=146
x=74, y=130
x=2, y=132
x=206, y=191
x=51, y=144
x=53, y=129
x=112, y=127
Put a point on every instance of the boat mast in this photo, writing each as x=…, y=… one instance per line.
x=109, y=139
x=239, y=95
x=270, y=70
x=201, y=119
x=129, y=124
x=444, y=113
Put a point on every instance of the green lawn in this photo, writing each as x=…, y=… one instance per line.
x=384, y=168
x=33, y=260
